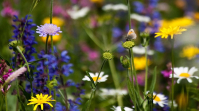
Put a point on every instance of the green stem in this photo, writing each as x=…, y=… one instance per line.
x=104, y=61
x=47, y=44
x=129, y=13
x=18, y=49
x=134, y=70
x=172, y=84
x=6, y=102
x=146, y=71
x=115, y=80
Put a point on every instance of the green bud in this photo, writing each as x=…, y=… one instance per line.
x=107, y=55
x=128, y=44
x=52, y=83
x=125, y=62
x=21, y=48
x=13, y=43
x=144, y=34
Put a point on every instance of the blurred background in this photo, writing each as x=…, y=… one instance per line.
x=90, y=27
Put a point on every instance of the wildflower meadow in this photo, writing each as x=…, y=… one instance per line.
x=99, y=55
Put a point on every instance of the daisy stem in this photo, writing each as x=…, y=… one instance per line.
x=104, y=61
x=146, y=71
x=172, y=84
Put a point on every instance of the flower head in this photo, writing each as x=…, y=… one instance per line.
x=107, y=55
x=128, y=44
x=94, y=77
x=159, y=99
x=48, y=29
x=184, y=73
x=171, y=31
x=40, y=100
x=190, y=52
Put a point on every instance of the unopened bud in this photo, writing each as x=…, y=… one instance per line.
x=128, y=44
x=125, y=62
x=107, y=55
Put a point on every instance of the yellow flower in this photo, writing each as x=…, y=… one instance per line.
x=55, y=20
x=196, y=15
x=56, y=38
x=165, y=32
x=140, y=62
x=182, y=22
x=97, y=1
x=190, y=52
x=40, y=100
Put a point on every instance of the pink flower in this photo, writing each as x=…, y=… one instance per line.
x=93, y=55
x=166, y=73
x=8, y=11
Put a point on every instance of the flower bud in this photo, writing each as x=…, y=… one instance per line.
x=131, y=35
x=125, y=62
x=128, y=44
x=107, y=55
x=51, y=84
x=144, y=34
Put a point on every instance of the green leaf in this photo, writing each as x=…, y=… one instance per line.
x=27, y=95
x=152, y=87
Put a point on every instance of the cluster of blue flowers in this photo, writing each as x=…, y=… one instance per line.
x=28, y=38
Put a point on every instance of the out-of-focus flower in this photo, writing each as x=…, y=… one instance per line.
x=74, y=13
x=171, y=31
x=190, y=52
x=118, y=108
x=184, y=73
x=181, y=22
x=174, y=104
x=140, y=18
x=94, y=77
x=48, y=29
x=116, y=7
x=140, y=63
x=55, y=20
x=59, y=107
x=160, y=99
x=182, y=100
x=40, y=100
x=166, y=73
x=15, y=74
x=196, y=15
x=158, y=45
x=112, y=92
x=97, y=1
x=141, y=50
x=139, y=7
x=93, y=55
x=116, y=32
x=56, y=38
x=8, y=11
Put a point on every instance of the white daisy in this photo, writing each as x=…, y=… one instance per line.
x=94, y=77
x=159, y=99
x=118, y=108
x=115, y=7
x=140, y=18
x=113, y=92
x=141, y=50
x=184, y=73
x=76, y=14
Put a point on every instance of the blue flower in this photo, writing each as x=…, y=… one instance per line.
x=59, y=107
x=116, y=32
x=158, y=45
x=138, y=7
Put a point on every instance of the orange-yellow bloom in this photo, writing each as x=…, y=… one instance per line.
x=190, y=52
x=171, y=31
x=40, y=100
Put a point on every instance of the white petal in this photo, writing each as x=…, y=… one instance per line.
x=189, y=80
x=195, y=77
x=178, y=81
x=192, y=70
x=91, y=74
x=86, y=78
x=185, y=70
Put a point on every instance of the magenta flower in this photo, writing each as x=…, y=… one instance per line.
x=166, y=73
x=8, y=11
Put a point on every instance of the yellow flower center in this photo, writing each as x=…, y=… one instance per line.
x=185, y=75
x=95, y=79
x=156, y=98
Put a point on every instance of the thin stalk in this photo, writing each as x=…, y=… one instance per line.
x=104, y=61
x=146, y=71
x=65, y=94
x=51, y=16
x=6, y=102
x=134, y=70
x=18, y=49
x=129, y=13
x=115, y=80
x=172, y=84
x=47, y=44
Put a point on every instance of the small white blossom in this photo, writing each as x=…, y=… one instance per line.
x=94, y=77
x=115, y=7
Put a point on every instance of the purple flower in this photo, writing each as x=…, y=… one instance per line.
x=116, y=32
x=166, y=73
x=48, y=29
